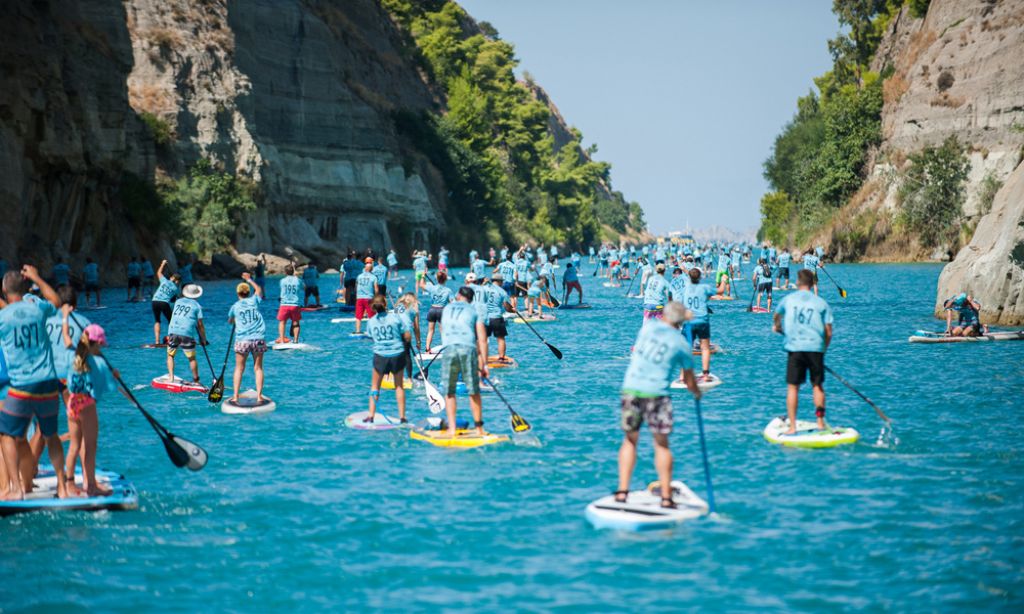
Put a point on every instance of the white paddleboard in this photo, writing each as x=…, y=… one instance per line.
x=712, y=381
x=291, y=345
x=380, y=422
x=642, y=510
x=247, y=404
x=342, y=320
x=426, y=357
x=808, y=435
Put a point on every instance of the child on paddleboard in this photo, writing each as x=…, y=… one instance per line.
x=88, y=378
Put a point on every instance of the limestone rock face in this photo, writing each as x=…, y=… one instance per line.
x=991, y=267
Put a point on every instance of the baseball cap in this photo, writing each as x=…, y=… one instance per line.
x=96, y=334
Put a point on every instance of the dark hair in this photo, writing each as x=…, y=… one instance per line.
x=467, y=293
x=694, y=275
x=68, y=296
x=442, y=277
x=677, y=270
x=806, y=277
x=379, y=303
x=289, y=269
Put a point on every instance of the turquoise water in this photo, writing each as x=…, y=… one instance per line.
x=296, y=512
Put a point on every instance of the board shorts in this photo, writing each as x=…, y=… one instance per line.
x=573, y=285
x=497, y=328
x=460, y=360
x=91, y=286
x=655, y=411
x=134, y=282
x=250, y=346
x=187, y=345
x=719, y=275
x=508, y=286
x=699, y=330
x=389, y=364
x=289, y=312
x=419, y=276
x=382, y=289
x=363, y=308
x=41, y=400
x=765, y=287
x=653, y=311
x=161, y=308
x=434, y=315
x=800, y=363
x=312, y=291
x=783, y=271
x=518, y=291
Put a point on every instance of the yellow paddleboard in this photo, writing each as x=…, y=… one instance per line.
x=388, y=383
x=463, y=438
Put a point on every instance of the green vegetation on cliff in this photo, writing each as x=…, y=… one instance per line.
x=494, y=145
x=817, y=162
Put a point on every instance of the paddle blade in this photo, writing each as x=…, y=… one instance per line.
x=434, y=398
x=177, y=454
x=519, y=424
x=216, y=392
x=195, y=456
x=557, y=352
x=842, y=293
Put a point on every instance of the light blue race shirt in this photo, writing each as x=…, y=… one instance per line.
x=507, y=270
x=440, y=295
x=656, y=292
x=534, y=290
x=95, y=382
x=496, y=299
x=392, y=259
x=659, y=353
x=24, y=342
x=409, y=315
x=695, y=298
x=364, y=285
x=570, y=275
x=290, y=291
x=677, y=286
x=784, y=258
x=166, y=291
x=811, y=261
x=419, y=264
x=381, y=273
x=62, y=354
x=61, y=272
x=91, y=272
x=478, y=267
x=458, y=324
x=480, y=296
x=249, y=324
x=185, y=318
x=133, y=269
x=804, y=317
x=310, y=276
x=386, y=330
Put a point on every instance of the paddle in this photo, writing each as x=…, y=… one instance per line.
x=435, y=401
x=704, y=453
x=630, y=288
x=213, y=374
x=217, y=390
x=880, y=413
x=182, y=452
x=554, y=350
x=842, y=292
x=519, y=424
x=753, y=293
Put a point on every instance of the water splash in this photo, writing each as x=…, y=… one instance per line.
x=526, y=440
x=887, y=438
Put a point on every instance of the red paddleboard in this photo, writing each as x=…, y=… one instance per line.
x=314, y=308
x=178, y=385
x=756, y=309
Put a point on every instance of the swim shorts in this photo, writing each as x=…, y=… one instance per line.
x=389, y=364
x=800, y=363
x=363, y=308
x=187, y=344
x=497, y=328
x=289, y=312
x=655, y=411
x=250, y=346
x=434, y=315
x=782, y=272
x=41, y=400
x=161, y=308
x=719, y=275
x=134, y=282
x=460, y=360
x=699, y=330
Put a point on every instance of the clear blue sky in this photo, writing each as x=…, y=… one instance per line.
x=684, y=99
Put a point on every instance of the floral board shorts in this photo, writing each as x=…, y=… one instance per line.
x=655, y=411
x=250, y=346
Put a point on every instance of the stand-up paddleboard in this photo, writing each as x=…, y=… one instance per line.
x=635, y=296
x=44, y=495
x=493, y=362
x=315, y=308
x=703, y=384
x=999, y=336
x=153, y=346
x=574, y=306
x=343, y=320
x=808, y=435
x=355, y=335
x=609, y=284
x=177, y=385
x=388, y=383
x=291, y=345
x=426, y=357
x=460, y=388
x=380, y=422
x=91, y=308
x=347, y=308
x=717, y=297
x=531, y=319
x=642, y=509
x=756, y=309
x=247, y=404
x=783, y=289
x=464, y=438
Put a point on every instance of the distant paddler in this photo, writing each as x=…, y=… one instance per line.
x=311, y=283
x=289, y=310
x=806, y=321
x=366, y=289
x=186, y=330
x=655, y=292
x=659, y=353
x=440, y=296
x=165, y=294
x=571, y=281
x=969, y=316
x=695, y=296
x=763, y=282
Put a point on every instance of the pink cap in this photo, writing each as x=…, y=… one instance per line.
x=96, y=334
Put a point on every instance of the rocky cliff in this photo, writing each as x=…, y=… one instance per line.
x=300, y=98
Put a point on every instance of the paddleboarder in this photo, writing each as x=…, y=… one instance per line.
x=290, y=309
x=465, y=354
x=969, y=316
x=391, y=335
x=659, y=353
x=571, y=281
x=185, y=330
x=164, y=295
x=806, y=321
x=250, y=333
